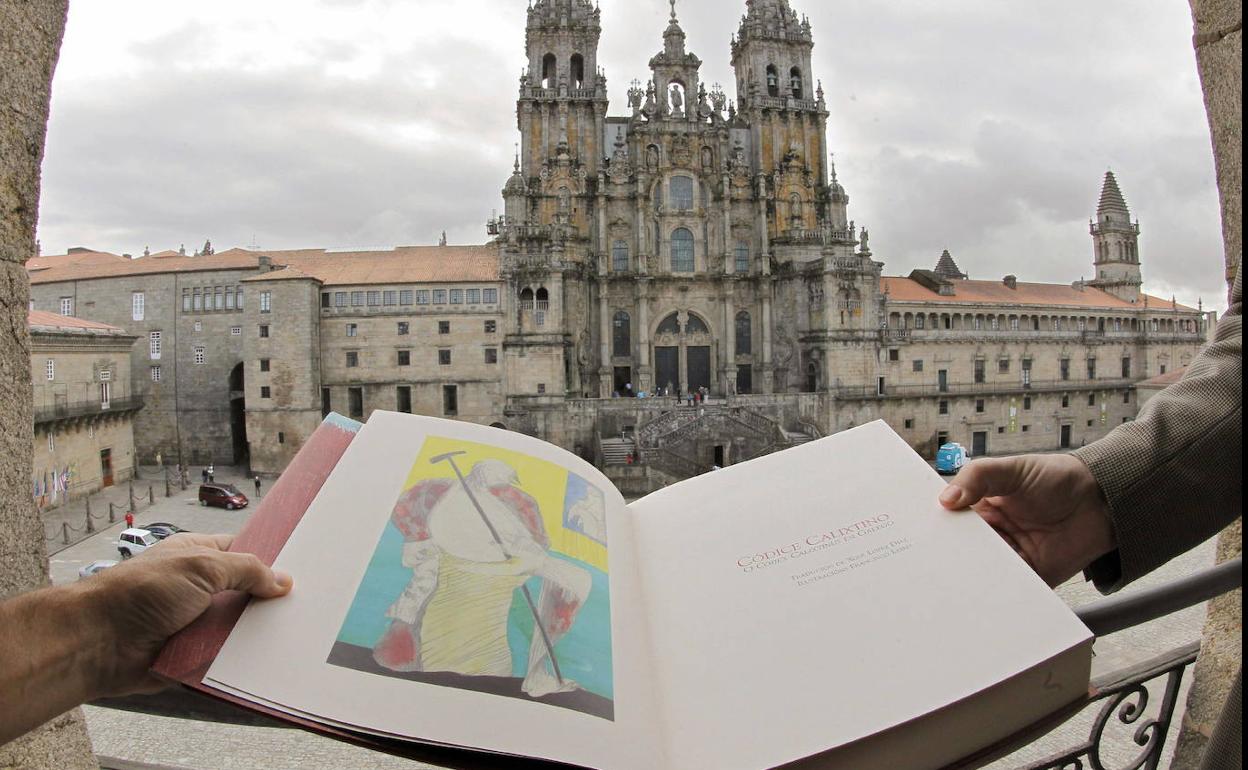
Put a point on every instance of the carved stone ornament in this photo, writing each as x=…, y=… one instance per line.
x=682, y=153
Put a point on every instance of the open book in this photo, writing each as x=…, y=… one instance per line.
x=463, y=586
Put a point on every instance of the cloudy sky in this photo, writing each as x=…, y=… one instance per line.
x=981, y=127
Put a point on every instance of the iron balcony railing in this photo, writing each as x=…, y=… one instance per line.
x=56, y=412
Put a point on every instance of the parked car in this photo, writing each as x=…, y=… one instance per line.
x=95, y=567
x=135, y=541
x=950, y=459
x=222, y=496
x=162, y=530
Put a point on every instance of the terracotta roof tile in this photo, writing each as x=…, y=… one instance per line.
x=997, y=293
x=77, y=258
x=407, y=264
x=40, y=320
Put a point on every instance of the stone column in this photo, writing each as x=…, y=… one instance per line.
x=644, y=369
x=606, y=383
x=767, y=370
x=1219, y=47
x=30, y=41
x=730, y=339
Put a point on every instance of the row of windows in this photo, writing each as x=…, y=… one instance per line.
x=958, y=322
x=622, y=332
x=214, y=298
x=403, y=401
x=1004, y=365
x=682, y=254
x=409, y=297
x=404, y=357
x=981, y=405
x=404, y=328
x=49, y=372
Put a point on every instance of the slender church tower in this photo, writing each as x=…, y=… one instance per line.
x=1115, y=240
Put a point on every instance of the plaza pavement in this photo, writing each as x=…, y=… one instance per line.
x=186, y=745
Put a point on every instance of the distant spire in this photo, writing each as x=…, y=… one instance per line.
x=947, y=269
x=1111, y=198
x=182, y=250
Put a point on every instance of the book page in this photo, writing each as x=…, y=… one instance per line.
x=820, y=595
x=460, y=585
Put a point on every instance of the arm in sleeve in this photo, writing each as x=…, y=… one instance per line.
x=1172, y=478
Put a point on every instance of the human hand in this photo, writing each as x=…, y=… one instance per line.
x=1049, y=508
x=138, y=605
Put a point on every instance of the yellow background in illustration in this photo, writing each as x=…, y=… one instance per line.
x=545, y=482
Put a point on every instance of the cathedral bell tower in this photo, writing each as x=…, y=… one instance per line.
x=1116, y=243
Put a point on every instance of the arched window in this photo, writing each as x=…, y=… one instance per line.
x=773, y=80
x=549, y=66
x=578, y=70
x=526, y=299
x=670, y=325
x=619, y=257
x=682, y=193
x=696, y=325
x=682, y=251
x=745, y=345
x=622, y=335
x=795, y=82
x=743, y=257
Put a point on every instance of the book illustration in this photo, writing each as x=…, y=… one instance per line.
x=491, y=576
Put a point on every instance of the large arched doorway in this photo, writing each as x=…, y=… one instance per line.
x=238, y=416
x=683, y=353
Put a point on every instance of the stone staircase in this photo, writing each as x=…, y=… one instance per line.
x=615, y=451
x=797, y=439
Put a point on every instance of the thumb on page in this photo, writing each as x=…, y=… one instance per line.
x=245, y=572
x=980, y=479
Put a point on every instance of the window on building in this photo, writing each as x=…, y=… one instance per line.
x=439, y=296
x=218, y=297
x=327, y=300
x=340, y=299
x=391, y=298
x=444, y=357
x=405, y=358
x=450, y=400
x=744, y=329
x=622, y=335
x=266, y=391
x=917, y=365
x=980, y=371
x=236, y=331
x=404, y=328
x=137, y=303
x=186, y=300
x=327, y=402
x=894, y=355
x=374, y=299
x=265, y=364
x=444, y=327
x=1003, y=366
x=920, y=322
x=67, y=305
x=682, y=193
x=353, y=330
x=943, y=407
x=1065, y=369
x=619, y=257
x=266, y=301
x=910, y=424
x=1014, y=324
x=264, y=331
x=996, y=323
x=229, y=298
x=457, y=296
x=106, y=395
x=1027, y=404
x=1126, y=397
x=1091, y=399
x=154, y=342
x=980, y=406
x=1065, y=401
x=490, y=296
x=357, y=299
x=403, y=399
x=49, y=369
x=405, y=297
x=682, y=251
x=201, y=355
x=353, y=359
x=199, y=326
x=491, y=356
x=742, y=257
x=1091, y=368
x=491, y=327
x=199, y=301
x=423, y=297
x=238, y=295
x=473, y=296
x=355, y=403
x=1126, y=367
x=157, y=374
x=773, y=80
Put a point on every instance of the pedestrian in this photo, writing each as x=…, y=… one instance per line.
x=204, y=474
x=257, y=485
x=211, y=473
x=129, y=519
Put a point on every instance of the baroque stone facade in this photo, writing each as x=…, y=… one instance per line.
x=691, y=243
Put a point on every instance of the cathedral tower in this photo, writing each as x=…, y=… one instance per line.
x=1115, y=240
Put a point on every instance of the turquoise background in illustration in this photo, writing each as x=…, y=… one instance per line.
x=584, y=653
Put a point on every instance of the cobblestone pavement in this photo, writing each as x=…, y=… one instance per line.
x=202, y=746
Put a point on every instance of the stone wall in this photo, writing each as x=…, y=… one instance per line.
x=30, y=39
x=1219, y=55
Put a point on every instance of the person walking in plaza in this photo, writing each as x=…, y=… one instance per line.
x=257, y=485
x=212, y=473
x=204, y=474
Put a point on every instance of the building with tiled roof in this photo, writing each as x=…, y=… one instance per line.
x=682, y=245
x=84, y=406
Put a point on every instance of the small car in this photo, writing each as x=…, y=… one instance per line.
x=134, y=542
x=222, y=496
x=95, y=567
x=950, y=459
x=162, y=530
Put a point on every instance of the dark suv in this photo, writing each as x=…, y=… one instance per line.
x=222, y=496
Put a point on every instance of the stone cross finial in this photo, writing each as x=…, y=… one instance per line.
x=673, y=2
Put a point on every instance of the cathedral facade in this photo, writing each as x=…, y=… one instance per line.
x=692, y=244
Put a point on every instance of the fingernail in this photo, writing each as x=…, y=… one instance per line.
x=283, y=580
x=951, y=495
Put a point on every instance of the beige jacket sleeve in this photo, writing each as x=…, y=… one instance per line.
x=1172, y=478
